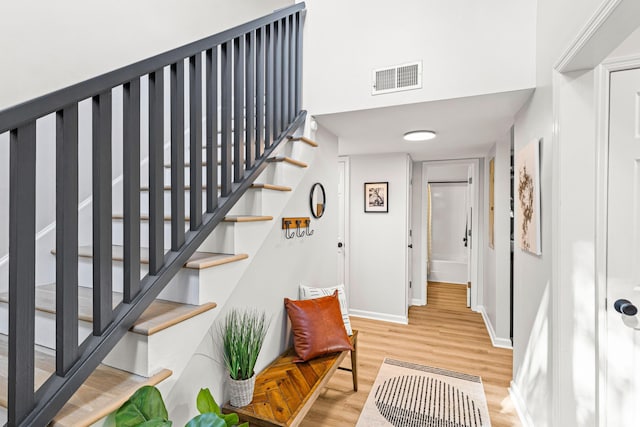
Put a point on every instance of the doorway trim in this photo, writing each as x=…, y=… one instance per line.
x=477, y=234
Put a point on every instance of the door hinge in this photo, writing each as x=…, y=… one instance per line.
x=410, y=284
x=470, y=180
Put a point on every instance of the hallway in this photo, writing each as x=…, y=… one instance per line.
x=443, y=334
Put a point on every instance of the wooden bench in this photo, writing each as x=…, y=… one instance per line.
x=285, y=390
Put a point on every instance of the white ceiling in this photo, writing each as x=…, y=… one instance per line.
x=465, y=127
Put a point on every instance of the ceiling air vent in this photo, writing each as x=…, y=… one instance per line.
x=397, y=78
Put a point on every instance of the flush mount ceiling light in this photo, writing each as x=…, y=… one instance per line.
x=419, y=135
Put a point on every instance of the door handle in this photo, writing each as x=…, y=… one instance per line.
x=624, y=306
x=411, y=246
x=340, y=244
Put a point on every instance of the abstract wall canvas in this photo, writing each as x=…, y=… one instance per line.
x=528, y=193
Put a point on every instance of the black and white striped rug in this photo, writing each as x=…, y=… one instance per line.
x=410, y=395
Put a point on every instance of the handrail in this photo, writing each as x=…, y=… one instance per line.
x=24, y=112
x=258, y=96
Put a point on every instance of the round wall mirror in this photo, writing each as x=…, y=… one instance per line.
x=317, y=200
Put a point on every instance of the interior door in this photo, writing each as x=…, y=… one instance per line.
x=469, y=241
x=409, y=233
x=623, y=251
x=342, y=214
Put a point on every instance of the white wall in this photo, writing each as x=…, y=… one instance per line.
x=467, y=48
x=534, y=339
x=378, y=251
x=628, y=47
x=277, y=269
x=496, y=289
x=50, y=45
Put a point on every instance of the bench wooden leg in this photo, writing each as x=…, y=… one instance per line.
x=354, y=364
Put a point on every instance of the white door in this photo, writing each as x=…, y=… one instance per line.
x=342, y=221
x=623, y=251
x=409, y=290
x=468, y=231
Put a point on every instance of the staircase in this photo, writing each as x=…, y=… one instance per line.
x=168, y=238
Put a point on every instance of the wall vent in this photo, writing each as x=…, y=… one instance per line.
x=397, y=78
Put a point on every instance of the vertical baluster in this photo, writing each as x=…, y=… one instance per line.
x=156, y=174
x=195, y=139
x=212, y=127
x=238, y=109
x=225, y=116
x=22, y=224
x=250, y=99
x=66, y=238
x=298, y=61
x=259, y=92
x=131, y=184
x=102, y=259
x=291, y=84
x=177, y=155
x=286, y=29
x=277, y=77
x=269, y=92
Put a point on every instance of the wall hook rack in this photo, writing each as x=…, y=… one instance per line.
x=296, y=227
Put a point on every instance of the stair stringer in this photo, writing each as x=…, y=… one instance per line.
x=265, y=283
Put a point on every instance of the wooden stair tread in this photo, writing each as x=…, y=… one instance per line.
x=247, y=218
x=158, y=316
x=102, y=393
x=163, y=314
x=201, y=260
x=289, y=160
x=228, y=218
x=254, y=186
x=271, y=187
x=304, y=139
x=198, y=261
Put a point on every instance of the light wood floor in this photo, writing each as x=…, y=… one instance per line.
x=443, y=334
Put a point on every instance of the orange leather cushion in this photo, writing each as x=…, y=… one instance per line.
x=317, y=326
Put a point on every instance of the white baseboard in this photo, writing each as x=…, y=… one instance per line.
x=418, y=301
x=379, y=316
x=519, y=405
x=496, y=341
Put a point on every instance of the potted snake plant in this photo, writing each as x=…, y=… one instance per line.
x=242, y=332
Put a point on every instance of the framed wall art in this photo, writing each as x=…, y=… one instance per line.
x=376, y=197
x=528, y=192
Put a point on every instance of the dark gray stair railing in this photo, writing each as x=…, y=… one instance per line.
x=260, y=66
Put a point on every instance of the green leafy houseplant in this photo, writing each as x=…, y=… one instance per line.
x=146, y=408
x=243, y=332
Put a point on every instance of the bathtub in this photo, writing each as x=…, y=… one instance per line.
x=448, y=271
